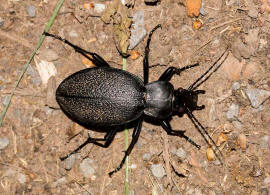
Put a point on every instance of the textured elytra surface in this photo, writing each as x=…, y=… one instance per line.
x=101, y=97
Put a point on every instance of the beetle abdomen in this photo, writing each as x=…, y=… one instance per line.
x=101, y=97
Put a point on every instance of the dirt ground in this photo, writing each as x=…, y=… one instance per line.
x=34, y=135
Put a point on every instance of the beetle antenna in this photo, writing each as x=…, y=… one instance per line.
x=196, y=84
x=204, y=134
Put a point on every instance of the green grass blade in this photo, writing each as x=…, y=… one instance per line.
x=126, y=141
x=41, y=39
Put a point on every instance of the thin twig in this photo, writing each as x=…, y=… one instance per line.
x=225, y=23
x=16, y=38
x=166, y=157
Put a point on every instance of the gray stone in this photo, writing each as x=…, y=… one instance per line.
x=86, y=168
x=158, y=170
x=3, y=143
x=31, y=11
x=257, y=96
x=264, y=142
x=233, y=112
x=138, y=31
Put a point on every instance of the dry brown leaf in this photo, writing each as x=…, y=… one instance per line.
x=193, y=7
x=221, y=139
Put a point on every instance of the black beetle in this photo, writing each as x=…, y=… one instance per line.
x=103, y=97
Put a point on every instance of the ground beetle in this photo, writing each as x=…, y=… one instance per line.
x=103, y=97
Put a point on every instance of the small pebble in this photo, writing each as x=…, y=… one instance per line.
x=266, y=180
x=86, y=168
x=5, y=100
x=232, y=67
x=31, y=11
x=1, y=21
x=242, y=141
x=190, y=191
x=138, y=31
x=69, y=162
x=101, y=37
x=3, y=143
x=257, y=96
x=198, y=191
x=202, y=10
x=232, y=112
x=158, y=170
x=73, y=34
x=21, y=178
x=99, y=7
x=204, y=164
x=36, y=80
x=253, y=12
x=147, y=156
x=181, y=153
x=60, y=181
x=50, y=95
x=235, y=86
x=264, y=142
x=210, y=154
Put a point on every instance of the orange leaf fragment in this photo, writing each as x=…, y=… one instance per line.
x=210, y=154
x=242, y=141
x=88, y=6
x=197, y=24
x=88, y=63
x=193, y=7
x=134, y=54
x=221, y=139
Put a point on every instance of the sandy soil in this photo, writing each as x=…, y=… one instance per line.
x=38, y=135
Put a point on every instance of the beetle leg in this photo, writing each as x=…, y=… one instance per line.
x=135, y=136
x=167, y=127
x=169, y=72
x=146, y=56
x=107, y=138
x=96, y=59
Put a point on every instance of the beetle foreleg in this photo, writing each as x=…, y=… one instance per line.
x=107, y=138
x=135, y=136
x=169, y=72
x=146, y=56
x=167, y=127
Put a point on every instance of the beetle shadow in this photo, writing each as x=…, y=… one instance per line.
x=105, y=129
x=131, y=125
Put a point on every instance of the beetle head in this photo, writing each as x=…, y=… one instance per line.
x=186, y=99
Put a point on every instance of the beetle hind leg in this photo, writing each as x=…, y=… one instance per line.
x=108, y=138
x=96, y=59
x=135, y=136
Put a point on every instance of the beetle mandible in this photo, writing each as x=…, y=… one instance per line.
x=104, y=97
